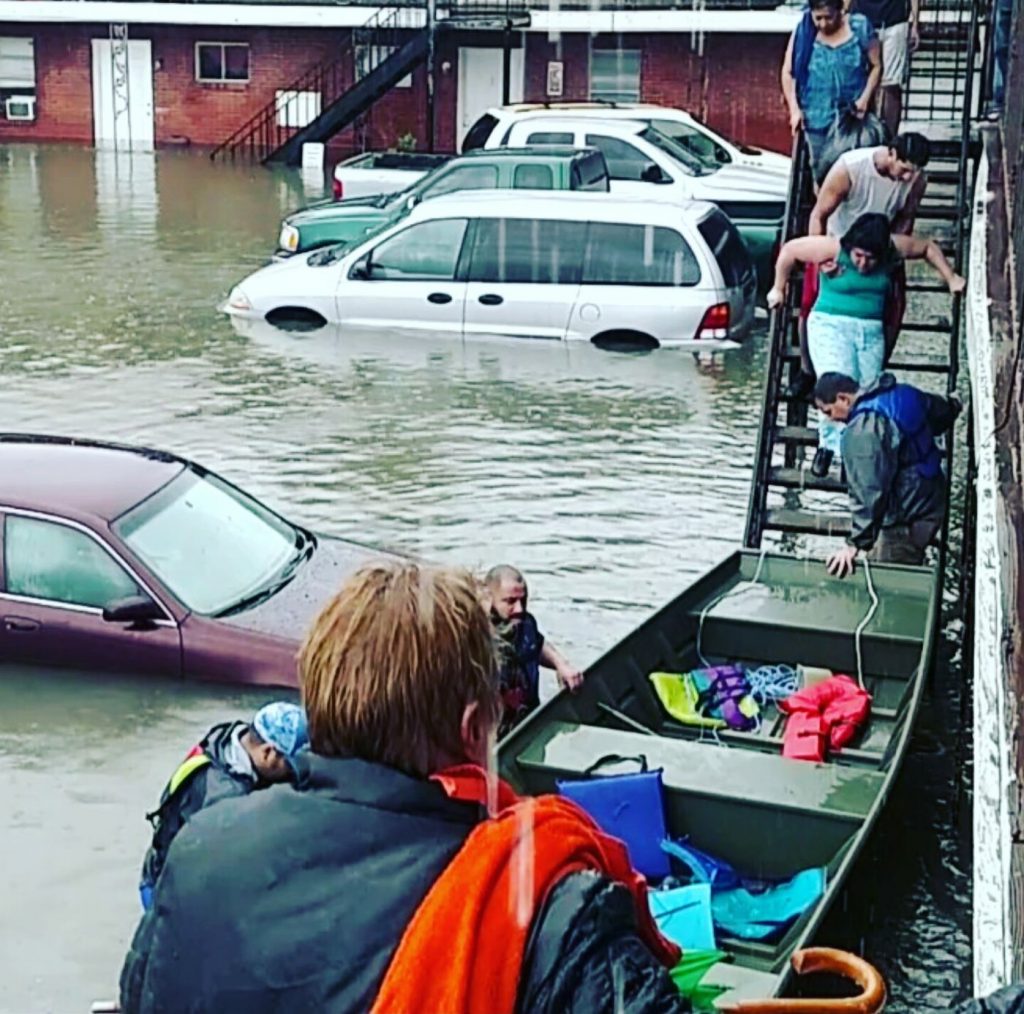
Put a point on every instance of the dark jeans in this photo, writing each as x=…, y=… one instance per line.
x=904, y=543
x=1001, y=22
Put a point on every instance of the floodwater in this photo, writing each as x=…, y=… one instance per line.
x=610, y=480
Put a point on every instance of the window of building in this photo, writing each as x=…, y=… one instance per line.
x=615, y=75
x=17, y=78
x=296, y=109
x=368, y=58
x=222, y=61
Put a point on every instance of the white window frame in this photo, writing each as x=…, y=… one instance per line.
x=224, y=47
x=27, y=46
x=619, y=96
x=296, y=109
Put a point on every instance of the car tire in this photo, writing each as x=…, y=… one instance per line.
x=625, y=341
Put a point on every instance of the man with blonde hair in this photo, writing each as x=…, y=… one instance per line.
x=398, y=876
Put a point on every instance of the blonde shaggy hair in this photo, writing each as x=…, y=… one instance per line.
x=391, y=663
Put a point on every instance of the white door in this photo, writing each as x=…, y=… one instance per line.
x=481, y=84
x=407, y=284
x=524, y=277
x=122, y=94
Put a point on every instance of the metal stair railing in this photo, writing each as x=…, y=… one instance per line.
x=948, y=202
x=368, y=46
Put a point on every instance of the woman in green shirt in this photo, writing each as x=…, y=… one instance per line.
x=844, y=329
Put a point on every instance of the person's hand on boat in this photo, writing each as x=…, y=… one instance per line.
x=569, y=677
x=860, y=107
x=842, y=562
x=775, y=297
x=957, y=284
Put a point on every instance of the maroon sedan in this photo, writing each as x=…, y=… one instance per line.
x=125, y=559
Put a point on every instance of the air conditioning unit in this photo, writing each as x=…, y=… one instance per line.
x=20, y=107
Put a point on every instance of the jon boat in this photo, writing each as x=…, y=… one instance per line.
x=736, y=796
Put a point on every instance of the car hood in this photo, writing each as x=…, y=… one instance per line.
x=770, y=161
x=330, y=211
x=288, y=613
x=741, y=183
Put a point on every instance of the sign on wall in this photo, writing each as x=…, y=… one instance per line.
x=556, y=79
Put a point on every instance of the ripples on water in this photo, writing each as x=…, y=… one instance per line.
x=611, y=480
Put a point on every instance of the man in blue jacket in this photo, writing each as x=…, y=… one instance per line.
x=893, y=466
x=232, y=759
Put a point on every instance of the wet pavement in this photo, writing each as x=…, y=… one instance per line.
x=610, y=480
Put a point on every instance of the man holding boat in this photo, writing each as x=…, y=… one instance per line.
x=522, y=648
x=893, y=466
x=399, y=875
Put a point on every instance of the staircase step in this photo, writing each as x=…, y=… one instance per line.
x=921, y=327
x=810, y=522
x=803, y=436
x=919, y=367
x=938, y=214
x=927, y=287
x=798, y=478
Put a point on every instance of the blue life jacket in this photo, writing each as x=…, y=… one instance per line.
x=907, y=407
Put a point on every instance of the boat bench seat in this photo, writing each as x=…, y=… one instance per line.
x=566, y=749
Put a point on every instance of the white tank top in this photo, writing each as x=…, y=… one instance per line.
x=870, y=191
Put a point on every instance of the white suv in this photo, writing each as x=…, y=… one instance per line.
x=561, y=265
x=696, y=137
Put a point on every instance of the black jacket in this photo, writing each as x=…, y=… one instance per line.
x=296, y=898
x=206, y=786
x=885, y=486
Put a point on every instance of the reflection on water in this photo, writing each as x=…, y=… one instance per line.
x=611, y=480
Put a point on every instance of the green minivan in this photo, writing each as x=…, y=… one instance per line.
x=540, y=168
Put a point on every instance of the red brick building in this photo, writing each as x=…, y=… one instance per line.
x=198, y=71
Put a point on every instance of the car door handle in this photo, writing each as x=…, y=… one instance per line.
x=439, y=297
x=491, y=299
x=20, y=624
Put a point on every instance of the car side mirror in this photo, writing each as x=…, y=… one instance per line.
x=411, y=201
x=653, y=174
x=361, y=270
x=135, y=609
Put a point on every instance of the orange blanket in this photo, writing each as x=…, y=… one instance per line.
x=463, y=949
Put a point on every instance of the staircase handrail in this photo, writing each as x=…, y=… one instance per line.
x=376, y=22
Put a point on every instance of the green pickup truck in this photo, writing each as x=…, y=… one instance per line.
x=543, y=168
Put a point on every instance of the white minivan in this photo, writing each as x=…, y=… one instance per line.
x=619, y=272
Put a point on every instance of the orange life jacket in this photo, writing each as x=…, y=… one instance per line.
x=464, y=947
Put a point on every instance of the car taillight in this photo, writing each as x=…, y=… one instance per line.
x=715, y=322
x=337, y=188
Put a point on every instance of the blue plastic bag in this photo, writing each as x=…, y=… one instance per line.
x=683, y=914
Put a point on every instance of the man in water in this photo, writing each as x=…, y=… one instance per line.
x=523, y=649
x=893, y=466
x=232, y=759
x=383, y=882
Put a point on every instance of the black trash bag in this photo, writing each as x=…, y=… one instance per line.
x=848, y=132
x=1008, y=1000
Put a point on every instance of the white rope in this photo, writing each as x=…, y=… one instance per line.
x=714, y=602
x=863, y=623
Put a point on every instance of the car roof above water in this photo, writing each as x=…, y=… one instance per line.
x=79, y=479
x=574, y=205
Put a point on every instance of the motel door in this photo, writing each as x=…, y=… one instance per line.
x=122, y=94
x=480, y=84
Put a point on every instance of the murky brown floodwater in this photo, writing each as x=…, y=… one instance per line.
x=611, y=480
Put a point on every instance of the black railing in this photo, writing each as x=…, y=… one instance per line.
x=367, y=47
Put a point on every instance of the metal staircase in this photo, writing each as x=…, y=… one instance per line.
x=392, y=43
x=785, y=498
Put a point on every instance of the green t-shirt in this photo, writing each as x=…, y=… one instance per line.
x=848, y=293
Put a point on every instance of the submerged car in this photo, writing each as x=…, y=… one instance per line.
x=615, y=271
x=541, y=168
x=126, y=559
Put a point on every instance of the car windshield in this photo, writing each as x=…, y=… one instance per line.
x=213, y=547
x=687, y=159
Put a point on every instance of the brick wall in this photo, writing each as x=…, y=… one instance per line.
x=733, y=83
